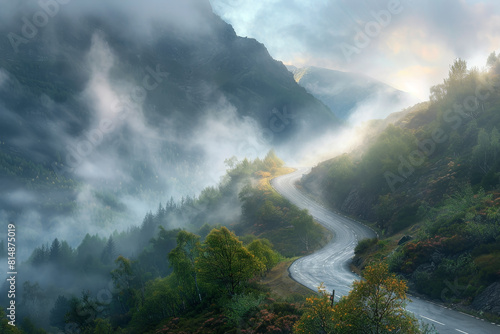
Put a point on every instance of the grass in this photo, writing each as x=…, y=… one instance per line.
x=279, y=282
x=265, y=181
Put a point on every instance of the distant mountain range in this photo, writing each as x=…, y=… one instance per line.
x=351, y=96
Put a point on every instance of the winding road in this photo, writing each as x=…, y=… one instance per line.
x=330, y=265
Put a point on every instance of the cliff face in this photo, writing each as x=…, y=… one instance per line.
x=488, y=300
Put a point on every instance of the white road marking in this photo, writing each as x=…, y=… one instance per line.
x=342, y=236
x=437, y=322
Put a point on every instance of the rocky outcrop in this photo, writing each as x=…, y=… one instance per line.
x=358, y=204
x=489, y=299
x=404, y=239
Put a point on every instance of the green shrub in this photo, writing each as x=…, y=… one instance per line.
x=364, y=245
x=240, y=306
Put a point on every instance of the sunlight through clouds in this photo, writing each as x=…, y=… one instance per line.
x=425, y=33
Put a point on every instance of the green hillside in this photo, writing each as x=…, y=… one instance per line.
x=433, y=176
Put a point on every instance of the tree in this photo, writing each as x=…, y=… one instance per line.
x=89, y=252
x=438, y=92
x=5, y=327
x=66, y=254
x=29, y=327
x=32, y=293
x=378, y=303
x=183, y=258
x=485, y=153
x=204, y=230
x=492, y=59
x=101, y=326
x=303, y=225
x=125, y=282
x=374, y=306
x=55, y=251
x=458, y=71
x=152, y=259
x=33, y=300
x=108, y=253
x=161, y=301
x=262, y=249
x=40, y=256
x=319, y=316
x=225, y=263
x=84, y=311
x=58, y=313
x=271, y=161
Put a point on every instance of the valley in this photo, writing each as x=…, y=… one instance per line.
x=146, y=153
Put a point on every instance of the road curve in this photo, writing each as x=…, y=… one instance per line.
x=330, y=265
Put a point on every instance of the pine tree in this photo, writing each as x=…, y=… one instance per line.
x=108, y=253
x=40, y=256
x=55, y=252
x=58, y=312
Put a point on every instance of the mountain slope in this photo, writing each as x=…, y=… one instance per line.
x=432, y=177
x=136, y=105
x=348, y=93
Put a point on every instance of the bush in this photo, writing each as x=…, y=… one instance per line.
x=395, y=261
x=240, y=306
x=364, y=245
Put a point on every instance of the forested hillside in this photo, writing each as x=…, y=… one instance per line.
x=432, y=177
x=157, y=271
x=205, y=278
x=95, y=114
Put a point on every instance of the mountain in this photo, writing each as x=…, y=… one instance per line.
x=430, y=184
x=352, y=96
x=118, y=108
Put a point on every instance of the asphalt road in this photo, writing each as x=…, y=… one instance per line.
x=330, y=265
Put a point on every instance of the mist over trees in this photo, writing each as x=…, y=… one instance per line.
x=131, y=145
x=101, y=121
x=429, y=183
x=154, y=271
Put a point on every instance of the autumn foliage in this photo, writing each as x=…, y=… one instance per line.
x=374, y=305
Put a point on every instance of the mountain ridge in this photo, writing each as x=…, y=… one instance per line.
x=141, y=111
x=430, y=184
x=348, y=93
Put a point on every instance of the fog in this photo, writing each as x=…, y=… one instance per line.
x=108, y=111
x=411, y=52
x=128, y=149
x=117, y=131
x=118, y=144
x=378, y=106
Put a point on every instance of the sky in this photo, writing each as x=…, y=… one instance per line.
x=408, y=44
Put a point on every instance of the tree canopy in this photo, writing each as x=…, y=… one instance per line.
x=225, y=262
